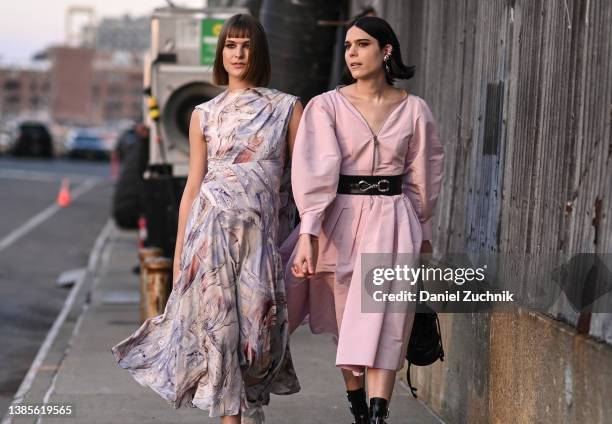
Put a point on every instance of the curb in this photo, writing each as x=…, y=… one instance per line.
x=35, y=387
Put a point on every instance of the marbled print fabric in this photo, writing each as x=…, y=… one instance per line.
x=222, y=343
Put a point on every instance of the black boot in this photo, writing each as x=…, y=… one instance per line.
x=378, y=410
x=358, y=405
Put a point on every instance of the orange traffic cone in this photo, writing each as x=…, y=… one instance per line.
x=63, y=197
x=142, y=231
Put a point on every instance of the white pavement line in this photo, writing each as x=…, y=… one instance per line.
x=21, y=174
x=42, y=216
x=26, y=384
x=51, y=388
x=91, y=266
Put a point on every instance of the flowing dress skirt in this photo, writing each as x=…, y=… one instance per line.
x=222, y=342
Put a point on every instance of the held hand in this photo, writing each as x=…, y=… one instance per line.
x=305, y=261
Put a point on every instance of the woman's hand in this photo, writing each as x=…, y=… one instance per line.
x=305, y=261
x=426, y=247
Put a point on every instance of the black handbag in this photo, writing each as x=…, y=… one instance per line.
x=425, y=344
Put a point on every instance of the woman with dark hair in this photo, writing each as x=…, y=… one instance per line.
x=366, y=173
x=222, y=343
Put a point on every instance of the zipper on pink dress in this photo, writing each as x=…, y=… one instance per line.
x=375, y=140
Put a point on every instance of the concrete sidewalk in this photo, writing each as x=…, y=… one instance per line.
x=80, y=370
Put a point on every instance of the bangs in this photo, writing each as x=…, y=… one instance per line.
x=239, y=29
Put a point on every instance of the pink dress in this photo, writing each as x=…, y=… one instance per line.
x=333, y=138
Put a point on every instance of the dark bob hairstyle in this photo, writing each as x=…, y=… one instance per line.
x=379, y=29
x=258, y=67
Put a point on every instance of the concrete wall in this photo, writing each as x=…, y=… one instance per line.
x=517, y=368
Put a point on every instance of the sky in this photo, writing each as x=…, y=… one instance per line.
x=28, y=26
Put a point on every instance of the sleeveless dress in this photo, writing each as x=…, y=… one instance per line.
x=222, y=343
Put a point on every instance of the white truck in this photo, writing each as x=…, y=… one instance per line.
x=178, y=76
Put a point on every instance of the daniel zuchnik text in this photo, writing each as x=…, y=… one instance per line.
x=425, y=296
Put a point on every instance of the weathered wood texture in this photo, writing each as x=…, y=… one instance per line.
x=522, y=91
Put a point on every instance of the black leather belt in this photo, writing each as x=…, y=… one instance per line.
x=388, y=185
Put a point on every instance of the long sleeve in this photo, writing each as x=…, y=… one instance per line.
x=425, y=161
x=315, y=165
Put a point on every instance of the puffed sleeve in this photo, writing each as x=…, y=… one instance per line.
x=425, y=161
x=315, y=165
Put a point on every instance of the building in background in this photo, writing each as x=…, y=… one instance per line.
x=91, y=87
x=71, y=79
x=75, y=86
x=93, y=79
x=123, y=34
x=100, y=81
x=24, y=90
x=116, y=90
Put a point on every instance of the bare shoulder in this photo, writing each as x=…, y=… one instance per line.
x=196, y=115
x=296, y=113
x=298, y=106
x=197, y=123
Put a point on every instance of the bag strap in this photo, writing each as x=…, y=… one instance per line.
x=440, y=333
x=412, y=388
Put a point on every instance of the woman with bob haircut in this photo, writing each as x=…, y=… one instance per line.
x=222, y=343
x=366, y=172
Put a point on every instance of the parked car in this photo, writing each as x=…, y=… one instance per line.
x=5, y=141
x=87, y=145
x=32, y=138
x=124, y=143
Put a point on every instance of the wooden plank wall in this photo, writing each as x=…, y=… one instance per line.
x=522, y=91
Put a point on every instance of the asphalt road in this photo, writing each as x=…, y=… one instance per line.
x=37, y=243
